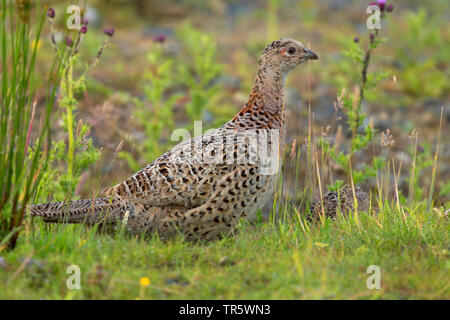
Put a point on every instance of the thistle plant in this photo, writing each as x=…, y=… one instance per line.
x=350, y=103
x=154, y=113
x=199, y=73
x=69, y=158
x=167, y=81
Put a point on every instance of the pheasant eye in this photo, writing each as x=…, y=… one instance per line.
x=291, y=50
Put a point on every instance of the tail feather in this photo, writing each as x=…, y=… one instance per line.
x=89, y=211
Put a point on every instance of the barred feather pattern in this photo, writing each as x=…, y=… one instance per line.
x=200, y=196
x=89, y=211
x=341, y=201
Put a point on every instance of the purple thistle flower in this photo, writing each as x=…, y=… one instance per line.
x=109, y=32
x=355, y=39
x=420, y=149
x=373, y=3
x=85, y=21
x=382, y=4
x=390, y=7
x=51, y=13
x=69, y=42
x=372, y=36
x=83, y=29
x=159, y=38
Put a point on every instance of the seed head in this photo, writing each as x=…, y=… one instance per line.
x=355, y=39
x=386, y=139
x=390, y=7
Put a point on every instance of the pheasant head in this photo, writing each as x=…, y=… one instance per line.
x=281, y=56
x=277, y=60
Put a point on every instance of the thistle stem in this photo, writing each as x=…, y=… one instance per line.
x=69, y=113
x=363, y=83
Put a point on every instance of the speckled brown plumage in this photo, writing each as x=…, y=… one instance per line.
x=195, y=189
x=342, y=201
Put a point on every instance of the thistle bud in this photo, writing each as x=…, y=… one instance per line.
x=109, y=32
x=51, y=13
x=159, y=38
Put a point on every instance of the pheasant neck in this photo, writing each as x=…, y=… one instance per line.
x=264, y=109
x=269, y=86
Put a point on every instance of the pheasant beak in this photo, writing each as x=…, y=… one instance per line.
x=311, y=55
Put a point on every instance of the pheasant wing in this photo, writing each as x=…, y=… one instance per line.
x=179, y=177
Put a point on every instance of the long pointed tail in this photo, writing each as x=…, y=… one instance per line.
x=89, y=211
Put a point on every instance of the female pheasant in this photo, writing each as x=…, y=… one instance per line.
x=204, y=185
x=341, y=201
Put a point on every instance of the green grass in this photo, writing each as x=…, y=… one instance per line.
x=286, y=258
x=281, y=260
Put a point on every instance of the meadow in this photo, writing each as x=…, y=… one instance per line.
x=83, y=109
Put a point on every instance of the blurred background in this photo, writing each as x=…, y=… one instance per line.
x=172, y=62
